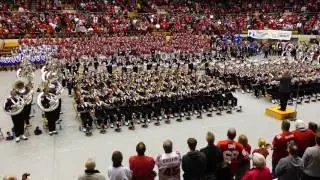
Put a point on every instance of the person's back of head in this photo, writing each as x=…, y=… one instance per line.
x=243, y=140
x=300, y=125
x=90, y=164
x=117, y=159
x=293, y=148
x=167, y=146
x=192, y=144
x=285, y=125
x=258, y=160
x=9, y=178
x=232, y=133
x=141, y=149
x=210, y=138
x=313, y=127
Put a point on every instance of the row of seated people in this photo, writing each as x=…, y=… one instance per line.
x=204, y=6
x=294, y=156
x=263, y=78
x=38, y=24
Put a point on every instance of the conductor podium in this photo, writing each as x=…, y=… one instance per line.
x=281, y=115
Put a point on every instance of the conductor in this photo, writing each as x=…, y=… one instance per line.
x=284, y=90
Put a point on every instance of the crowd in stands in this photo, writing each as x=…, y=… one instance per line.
x=115, y=18
x=295, y=156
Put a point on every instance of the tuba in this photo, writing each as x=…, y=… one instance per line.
x=47, y=102
x=13, y=108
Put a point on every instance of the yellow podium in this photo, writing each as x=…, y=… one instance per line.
x=281, y=115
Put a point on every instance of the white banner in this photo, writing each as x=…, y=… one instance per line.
x=270, y=34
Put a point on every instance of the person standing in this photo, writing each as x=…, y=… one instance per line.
x=117, y=171
x=233, y=155
x=311, y=161
x=18, y=119
x=291, y=166
x=279, y=143
x=169, y=163
x=194, y=162
x=284, y=90
x=91, y=173
x=259, y=171
x=142, y=165
x=303, y=137
x=213, y=157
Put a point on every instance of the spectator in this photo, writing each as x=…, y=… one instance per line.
x=263, y=149
x=311, y=161
x=117, y=171
x=260, y=171
x=91, y=173
x=213, y=156
x=9, y=178
x=304, y=137
x=245, y=164
x=233, y=154
x=290, y=167
x=313, y=127
x=169, y=162
x=194, y=162
x=141, y=165
x=279, y=143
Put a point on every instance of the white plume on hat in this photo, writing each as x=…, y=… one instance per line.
x=300, y=125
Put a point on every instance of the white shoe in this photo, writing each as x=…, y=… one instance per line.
x=112, y=126
x=17, y=139
x=50, y=133
x=23, y=137
x=54, y=132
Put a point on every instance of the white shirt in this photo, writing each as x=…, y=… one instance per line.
x=119, y=173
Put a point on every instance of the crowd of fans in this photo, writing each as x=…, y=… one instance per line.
x=295, y=156
x=115, y=18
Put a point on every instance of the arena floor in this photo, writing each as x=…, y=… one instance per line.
x=62, y=157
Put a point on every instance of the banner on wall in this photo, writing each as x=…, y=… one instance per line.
x=270, y=34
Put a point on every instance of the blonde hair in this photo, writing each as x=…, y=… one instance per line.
x=90, y=164
x=261, y=142
x=9, y=178
x=243, y=140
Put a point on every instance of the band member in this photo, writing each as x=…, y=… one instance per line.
x=84, y=109
x=70, y=85
x=14, y=102
x=99, y=111
x=25, y=93
x=284, y=90
x=51, y=116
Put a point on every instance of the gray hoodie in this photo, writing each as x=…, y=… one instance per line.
x=289, y=167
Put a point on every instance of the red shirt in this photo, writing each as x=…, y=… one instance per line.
x=233, y=153
x=280, y=145
x=304, y=139
x=258, y=174
x=142, y=167
x=262, y=151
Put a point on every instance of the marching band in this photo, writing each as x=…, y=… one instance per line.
x=124, y=90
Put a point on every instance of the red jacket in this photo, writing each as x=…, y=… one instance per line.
x=233, y=154
x=142, y=167
x=304, y=139
x=258, y=174
x=280, y=145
